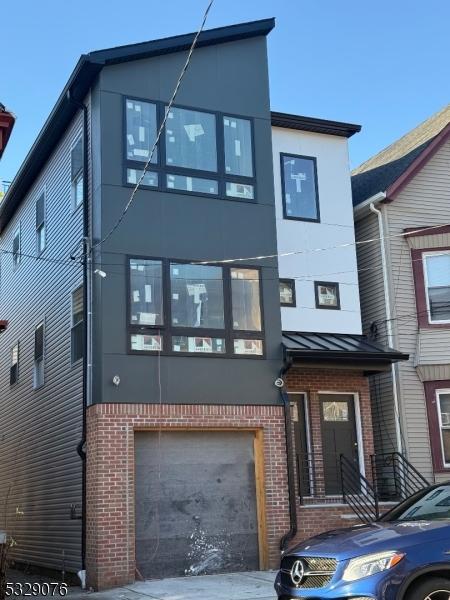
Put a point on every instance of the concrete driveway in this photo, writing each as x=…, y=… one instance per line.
x=256, y=585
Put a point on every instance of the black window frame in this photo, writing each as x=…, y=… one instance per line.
x=283, y=190
x=74, y=177
x=17, y=256
x=41, y=224
x=38, y=359
x=75, y=326
x=14, y=368
x=291, y=283
x=167, y=330
x=163, y=170
x=338, y=296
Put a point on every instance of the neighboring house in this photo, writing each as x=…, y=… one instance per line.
x=7, y=121
x=327, y=356
x=401, y=195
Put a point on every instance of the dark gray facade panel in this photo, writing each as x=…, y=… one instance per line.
x=229, y=78
x=196, y=510
x=40, y=470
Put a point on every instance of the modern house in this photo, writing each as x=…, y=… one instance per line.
x=145, y=398
x=327, y=359
x=402, y=202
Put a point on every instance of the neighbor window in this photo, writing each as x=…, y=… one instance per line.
x=287, y=292
x=77, y=330
x=327, y=295
x=141, y=131
x=299, y=187
x=16, y=250
x=437, y=286
x=191, y=139
x=14, y=368
x=238, y=146
x=38, y=367
x=210, y=309
x=40, y=224
x=444, y=423
x=77, y=176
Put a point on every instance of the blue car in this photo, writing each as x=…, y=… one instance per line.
x=403, y=556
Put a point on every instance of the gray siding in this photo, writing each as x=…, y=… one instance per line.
x=231, y=78
x=40, y=470
x=425, y=200
x=373, y=309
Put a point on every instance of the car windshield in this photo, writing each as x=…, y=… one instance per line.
x=431, y=504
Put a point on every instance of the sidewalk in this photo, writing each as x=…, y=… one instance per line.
x=256, y=585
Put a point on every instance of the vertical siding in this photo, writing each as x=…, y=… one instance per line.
x=373, y=309
x=425, y=200
x=40, y=470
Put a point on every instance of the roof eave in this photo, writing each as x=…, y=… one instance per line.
x=375, y=357
x=324, y=126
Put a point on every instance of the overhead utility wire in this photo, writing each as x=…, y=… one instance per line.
x=161, y=128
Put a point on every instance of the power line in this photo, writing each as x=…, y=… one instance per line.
x=161, y=128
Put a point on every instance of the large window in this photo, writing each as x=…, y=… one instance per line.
x=38, y=366
x=182, y=308
x=299, y=187
x=443, y=398
x=77, y=177
x=77, y=329
x=14, y=368
x=201, y=152
x=437, y=286
x=40, y=224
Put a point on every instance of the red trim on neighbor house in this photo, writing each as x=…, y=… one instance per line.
x=430, y=388
x=426, y=230
x=6, y=126
x=419, y=286
x=417, y=164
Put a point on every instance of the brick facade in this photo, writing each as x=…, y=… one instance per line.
x=110, y=559
x=315, y=519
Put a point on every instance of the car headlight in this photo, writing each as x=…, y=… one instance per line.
x=363, y=566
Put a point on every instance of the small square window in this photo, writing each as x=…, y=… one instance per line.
x=191, y=140
x=14, y=368
x=142, y=342
x=248, y=347
x=299, y=183
x=327, y=295
x=287, y=292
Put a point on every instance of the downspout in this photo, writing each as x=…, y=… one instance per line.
x=390, y=333
x=289, y=535
x=81, y=447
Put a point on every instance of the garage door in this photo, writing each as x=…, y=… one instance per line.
x=195, y=503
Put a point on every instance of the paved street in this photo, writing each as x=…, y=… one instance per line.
x=255, y=585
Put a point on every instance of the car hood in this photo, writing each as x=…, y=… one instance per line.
x=365, y=539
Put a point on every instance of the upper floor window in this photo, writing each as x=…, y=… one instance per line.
x=77, y=329
x=437, y=286
x=14, y=368
x=201, y=152
x=327, y=295
x=16, y=251
x=299, y=187
x=190, y=308
x=40, y=223
x=38, y=367
x=77, y=176
x=287, y=292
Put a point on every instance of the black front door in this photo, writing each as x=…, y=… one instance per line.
x=337, y=415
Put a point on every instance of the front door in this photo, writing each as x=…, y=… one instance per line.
x=338, y=423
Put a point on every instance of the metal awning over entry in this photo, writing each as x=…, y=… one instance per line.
x=339, y=348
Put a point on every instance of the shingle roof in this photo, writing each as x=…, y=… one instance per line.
x=338, y=347
x=382, y=170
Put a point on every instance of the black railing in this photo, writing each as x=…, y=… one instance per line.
x=358, y=492
x=393, y=478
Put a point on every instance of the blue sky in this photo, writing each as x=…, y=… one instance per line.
x=383, y=64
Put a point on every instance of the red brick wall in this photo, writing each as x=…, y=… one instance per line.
x=312, y=521
x=110, y=559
